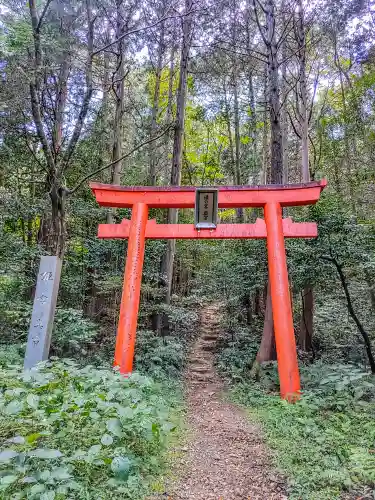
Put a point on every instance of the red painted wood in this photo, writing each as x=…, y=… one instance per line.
x=127, y=325
x=109, y=195
x=287, y=363
x=223, y=231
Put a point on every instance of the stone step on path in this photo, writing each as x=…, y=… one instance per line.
x=225, y=457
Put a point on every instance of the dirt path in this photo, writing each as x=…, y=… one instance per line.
x=225, y=457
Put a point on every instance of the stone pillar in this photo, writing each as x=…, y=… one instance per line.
x=43, y=314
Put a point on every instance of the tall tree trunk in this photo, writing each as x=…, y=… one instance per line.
x=229, y=131
x=237, y=137
x=119, y=91
x=187, y=28
x=267, y=348
x=307, y=318
x=103, y=117
x=265, y=155
x=155, y=106
x=304, y=117
x=284, y=95
x=253, y=157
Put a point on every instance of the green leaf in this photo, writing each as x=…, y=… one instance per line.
x=8, y=479
x=7, y=455
x=17, y=440
x=114, y=426
x=45, y=453
x=33, y=401
x=29, y=479
x=106, y=440
x=60, y=473
x=168, y=427
x=44, y=475
x=94, y=450
x=126, y=412
x=31, y=438
x=37, y=488
x=14, y=407
x=121, y=466
x=48, y=495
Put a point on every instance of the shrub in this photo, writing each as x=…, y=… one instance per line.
x=72, y=332
x=324, y=443
x=79, y=433
x=159, y=356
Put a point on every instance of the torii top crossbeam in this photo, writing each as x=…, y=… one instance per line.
x=270, y=197
x=109, y=195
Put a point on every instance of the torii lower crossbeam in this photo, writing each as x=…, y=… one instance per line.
x=271, y=197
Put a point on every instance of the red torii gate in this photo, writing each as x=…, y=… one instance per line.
x=270, y=197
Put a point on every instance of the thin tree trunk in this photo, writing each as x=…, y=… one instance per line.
x=267, y=347
x=307, y=318
x=229, y=131
x=253, y=159
x=352, y=313
x=304, y=118
x=155, y=106
x=265, y=155
x=187, y=28
x=119, y=90
x=284, y=94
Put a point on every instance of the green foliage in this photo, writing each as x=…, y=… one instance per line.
x=159, y=356
x=72, y=332
x=237, y=354
x=70, y=432
x=324, y=443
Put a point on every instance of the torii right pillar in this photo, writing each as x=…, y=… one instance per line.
x=281, y=303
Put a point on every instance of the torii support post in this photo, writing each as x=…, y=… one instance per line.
x=127, y=327
x=281, y=304
x=271, y=197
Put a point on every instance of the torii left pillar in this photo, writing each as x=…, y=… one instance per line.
x=271, y=198
x=127, y=327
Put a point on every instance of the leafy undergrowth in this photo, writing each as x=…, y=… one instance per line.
x=78, y=433
x=324, y=443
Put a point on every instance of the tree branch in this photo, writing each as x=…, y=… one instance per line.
x=88, y=94
x=351, y=311
x=39, y=25
x=137, y=30
x=139, y=146
x=266, y=42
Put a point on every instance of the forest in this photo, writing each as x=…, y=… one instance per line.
x=187, y=93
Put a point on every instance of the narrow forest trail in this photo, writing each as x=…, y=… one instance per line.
x=225, y=457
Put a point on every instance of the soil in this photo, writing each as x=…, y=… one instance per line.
x=225, y=457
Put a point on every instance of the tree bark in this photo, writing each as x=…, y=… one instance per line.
x=267, y=348
x=307, y=317
x=118, y=86
x=351, y=311
x=187, y=29
x=155, y=106
x=284, y=95
x=304, y=116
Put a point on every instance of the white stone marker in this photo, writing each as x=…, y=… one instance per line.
x=43, y=314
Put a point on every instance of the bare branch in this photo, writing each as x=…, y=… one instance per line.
x=39, y=25
x=88, y=94
x=137, y=30
x=293, y=126
x=139, y=146
x=266, y=42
